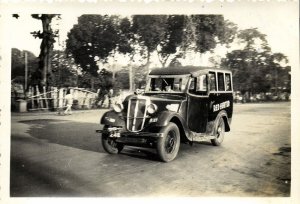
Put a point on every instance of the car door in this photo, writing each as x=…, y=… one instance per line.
x=220, y=95
x=197, y=113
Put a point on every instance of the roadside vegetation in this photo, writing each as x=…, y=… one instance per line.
x=90, y=55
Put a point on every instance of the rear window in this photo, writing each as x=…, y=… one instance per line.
x=228, y=82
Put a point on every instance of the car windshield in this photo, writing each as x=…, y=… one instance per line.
x=167, y=84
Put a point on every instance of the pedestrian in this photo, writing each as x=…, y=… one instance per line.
x=69, y=102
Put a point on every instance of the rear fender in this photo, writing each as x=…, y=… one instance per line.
x=222, y=114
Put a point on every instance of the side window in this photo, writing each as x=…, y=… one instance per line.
x=201, y=84
x=167, y=84
x=212, y=77
x=228, y=82
x=192, y=85
x=198, y=85
x=221, y=86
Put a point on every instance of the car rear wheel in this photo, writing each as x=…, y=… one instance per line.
x=168, y=145
x=220, y=133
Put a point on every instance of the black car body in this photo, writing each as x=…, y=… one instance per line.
x=183, y=104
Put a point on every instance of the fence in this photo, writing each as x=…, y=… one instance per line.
x=55, y=99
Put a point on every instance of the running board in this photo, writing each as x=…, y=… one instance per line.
x=201, y=137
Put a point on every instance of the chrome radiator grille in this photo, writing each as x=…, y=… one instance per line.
x=136, y=114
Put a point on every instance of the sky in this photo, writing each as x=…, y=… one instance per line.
x=278, y=21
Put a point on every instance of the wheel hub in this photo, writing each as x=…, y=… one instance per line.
x=170, y=143
x=219, y=131
x=112, y=143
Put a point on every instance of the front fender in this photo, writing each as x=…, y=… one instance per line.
x=111, y=118
x=165, y=117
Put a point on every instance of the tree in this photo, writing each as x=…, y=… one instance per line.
x=18, y=62
x=252, y=38
x=65, y=71
x=150, y=31
x=127, y=39
x=94, y=38
x=279, y=74
x=105, y=81
x=196, y=33
x=43, y=75
x=173, y=38
x=126, y=45
x=254, y=66
x=208, y=28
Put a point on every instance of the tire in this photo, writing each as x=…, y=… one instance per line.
x=220, y=133
x=110, y=145
x=168, y=145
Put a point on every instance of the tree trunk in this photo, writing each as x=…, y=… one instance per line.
x=147, y=65
x=92, y=83
x=46, y=47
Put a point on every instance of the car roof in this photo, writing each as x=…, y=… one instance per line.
x=184, y=70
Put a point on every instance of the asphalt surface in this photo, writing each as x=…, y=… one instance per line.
x=57, y=156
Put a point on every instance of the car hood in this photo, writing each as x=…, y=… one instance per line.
x=164, y=102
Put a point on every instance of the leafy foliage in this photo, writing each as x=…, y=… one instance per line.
x=126, y=37
x=208, y=28
x=96, y=37
x=254, y=66
x=173, y=38
x=65, y=71
x=150, y=31
x=18, y=63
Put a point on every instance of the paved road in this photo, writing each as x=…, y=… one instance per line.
x=62, y=156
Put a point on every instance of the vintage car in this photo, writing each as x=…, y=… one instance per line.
x=179, y=104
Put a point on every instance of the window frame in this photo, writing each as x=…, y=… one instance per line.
x=217, y=83
x=195, y=81
x=148, y=84
x=221, y=78
x=230, y=81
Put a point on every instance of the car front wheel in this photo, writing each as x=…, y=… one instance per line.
x=168, y=145
x=110, y=145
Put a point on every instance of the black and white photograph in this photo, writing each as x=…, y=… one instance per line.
x=150, y=100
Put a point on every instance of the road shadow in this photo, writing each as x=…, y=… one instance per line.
x=79, y=135
x=141, y=153
x=82, y=135
x=35, y=179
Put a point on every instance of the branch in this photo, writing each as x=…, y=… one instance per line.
x=36, y=16
x=37, y=34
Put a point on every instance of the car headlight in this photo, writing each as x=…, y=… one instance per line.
x=152, y=108
x=112, y=120
x=118, y=107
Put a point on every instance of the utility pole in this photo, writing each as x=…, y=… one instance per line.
x=26, y=71
x=76, y=75
x=130, y=77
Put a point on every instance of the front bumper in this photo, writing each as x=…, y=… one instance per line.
x=146, y=135
x=140, y=139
